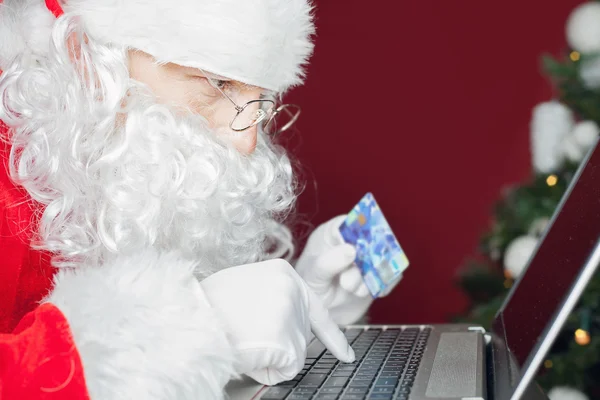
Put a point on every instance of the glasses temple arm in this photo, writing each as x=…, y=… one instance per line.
x=238, y=108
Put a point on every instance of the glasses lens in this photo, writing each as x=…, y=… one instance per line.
x=284, y=118
x=254, y=112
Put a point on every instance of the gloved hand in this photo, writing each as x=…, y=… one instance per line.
x=269, y=312
x=327, y=266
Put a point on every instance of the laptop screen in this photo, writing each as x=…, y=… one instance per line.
x=554, y=267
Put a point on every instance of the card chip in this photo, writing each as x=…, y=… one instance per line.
x=362, y=219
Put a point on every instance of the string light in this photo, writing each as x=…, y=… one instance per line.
x=508, y=279
x=574, y=56
x=548, y=364
x=551, y=180
x=582, y=337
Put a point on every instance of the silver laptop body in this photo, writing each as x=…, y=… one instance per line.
x=461, y=361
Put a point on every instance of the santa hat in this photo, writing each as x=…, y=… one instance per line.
x=265, y=43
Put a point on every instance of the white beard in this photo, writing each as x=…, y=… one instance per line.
x=159, y=181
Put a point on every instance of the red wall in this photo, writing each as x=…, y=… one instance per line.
x=426, y=104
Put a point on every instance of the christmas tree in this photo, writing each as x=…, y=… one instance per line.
x=563, y=130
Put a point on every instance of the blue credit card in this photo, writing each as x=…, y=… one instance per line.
x=379, y=256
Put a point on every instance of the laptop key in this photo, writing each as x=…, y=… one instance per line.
x=360, y=384
x=326, y=361
x=342, y=373
x=359, y=390
x=276, y=393
x=380, y=396
x=331, y=390
x=387, y=382
x=336, y=381
x=394, y=364
x=309, y=390
x=290, y=384
x=383, y=389
x=353, y=396
x=313, y=380
x=365, y=374
x=322, y=369
x=397, y=371
x=326, y=396
x=299, y=396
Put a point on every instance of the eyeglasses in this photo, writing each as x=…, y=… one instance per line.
x=275, y=120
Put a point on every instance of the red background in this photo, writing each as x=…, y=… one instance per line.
x=426, y=104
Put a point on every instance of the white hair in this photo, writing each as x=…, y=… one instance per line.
x=117, y=172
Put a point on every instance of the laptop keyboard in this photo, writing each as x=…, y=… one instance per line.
x=385, y=368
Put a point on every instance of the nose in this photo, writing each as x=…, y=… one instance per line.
x=244, y=142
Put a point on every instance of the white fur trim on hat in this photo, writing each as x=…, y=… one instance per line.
x=265, y=43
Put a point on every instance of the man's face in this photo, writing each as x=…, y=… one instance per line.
x=189, y=90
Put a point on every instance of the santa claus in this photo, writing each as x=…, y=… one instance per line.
x=143, y=201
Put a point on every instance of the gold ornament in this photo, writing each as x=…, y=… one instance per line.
x=582, y=337
x=574, y=56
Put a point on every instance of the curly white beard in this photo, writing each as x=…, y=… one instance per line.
x=111, y=188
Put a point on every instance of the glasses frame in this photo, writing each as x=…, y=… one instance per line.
x=270, y=113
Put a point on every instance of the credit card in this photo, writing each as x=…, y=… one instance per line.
x=379, y=255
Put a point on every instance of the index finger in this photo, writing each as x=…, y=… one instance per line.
x=327, y=331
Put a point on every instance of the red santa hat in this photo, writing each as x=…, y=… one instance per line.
x=265, y=43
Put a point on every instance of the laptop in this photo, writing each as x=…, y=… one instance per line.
x=462, y=361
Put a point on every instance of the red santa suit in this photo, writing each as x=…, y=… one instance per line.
x=38, y=357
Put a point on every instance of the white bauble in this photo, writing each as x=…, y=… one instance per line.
x=576, y=145
x=566, y=393
x=518, y=253
x=571, y=150
x=585, y=134
x=583, y=28
x=551, y=122
x=538, y=227
x=589, y=71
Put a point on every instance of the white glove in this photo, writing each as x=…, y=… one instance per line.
x=327, y=266
x=269, y=312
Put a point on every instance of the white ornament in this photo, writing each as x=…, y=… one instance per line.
x=583, y=28
x=589, y=70
x=538, y=227
x=566, y=393
x=550, y=124
x=585, y=134
x=571, y=150
x=518, y=253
